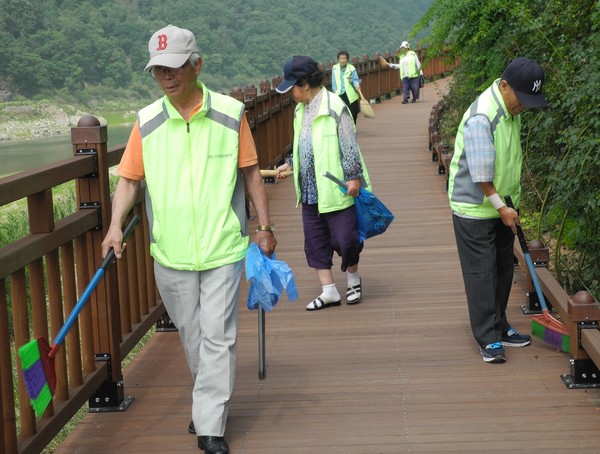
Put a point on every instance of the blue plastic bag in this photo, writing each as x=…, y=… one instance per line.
x=372, y=216
x=269, y=277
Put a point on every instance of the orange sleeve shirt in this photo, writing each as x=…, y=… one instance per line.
x=132, y=162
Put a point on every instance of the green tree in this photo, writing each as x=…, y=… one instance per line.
x=560, y=143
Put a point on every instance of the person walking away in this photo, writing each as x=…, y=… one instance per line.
x=325, y=140
x=486, y=167
x=345, y=83
x=410, y=72
x=194, y=149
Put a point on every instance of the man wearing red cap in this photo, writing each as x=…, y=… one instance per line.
x=194, y=149
x=486, y=167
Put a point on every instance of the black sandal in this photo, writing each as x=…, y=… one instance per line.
x=318, y=304
x=354, y=291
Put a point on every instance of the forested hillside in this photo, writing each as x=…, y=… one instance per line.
x=83, y=50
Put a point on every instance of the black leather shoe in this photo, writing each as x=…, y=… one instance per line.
x=191, y=428
x=213, y=445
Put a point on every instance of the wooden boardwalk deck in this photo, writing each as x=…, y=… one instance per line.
x=398, y=373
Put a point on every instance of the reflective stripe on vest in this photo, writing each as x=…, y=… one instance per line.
x=466, y=196
x=337, y=74
x=195, y=191
x=327, y=154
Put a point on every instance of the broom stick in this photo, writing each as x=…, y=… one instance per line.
x=543, y=326
x=37, y=357
x=268, y=173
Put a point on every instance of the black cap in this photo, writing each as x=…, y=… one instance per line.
x=300, y=66
x=526, y=78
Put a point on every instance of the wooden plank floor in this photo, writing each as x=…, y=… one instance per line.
x=398, y=373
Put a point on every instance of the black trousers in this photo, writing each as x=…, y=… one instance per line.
x=354, y=107
x=485, y=249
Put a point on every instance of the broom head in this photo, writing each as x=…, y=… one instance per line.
x=366, y=109
x=38, y=373
x=383, y=64
x=551, y=331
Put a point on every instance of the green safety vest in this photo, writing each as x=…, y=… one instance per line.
x=466, y=196
x=327, y=154
x=410, y=58
x=337, y=75
x=195, y=191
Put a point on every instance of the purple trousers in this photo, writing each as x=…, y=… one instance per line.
x=329, y=232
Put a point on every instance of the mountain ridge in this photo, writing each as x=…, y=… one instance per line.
x=98, y=48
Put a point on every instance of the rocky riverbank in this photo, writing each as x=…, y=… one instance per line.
x=36, y=120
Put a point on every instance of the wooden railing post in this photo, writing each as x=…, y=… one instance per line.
x=93, y=192
x=540, y=255
x=584, y=315
x=8, y=428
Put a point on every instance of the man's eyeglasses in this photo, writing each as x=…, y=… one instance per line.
x=162, y=70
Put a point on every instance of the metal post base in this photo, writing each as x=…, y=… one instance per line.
x=165, y=324
x=124, y=405
x=109, y=397
x=584, y=374
x=533, y=307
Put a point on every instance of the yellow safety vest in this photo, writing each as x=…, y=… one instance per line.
x=466, y=196
x=195, y=191
x=410, y=59
x=327, y=155
x=337, y=74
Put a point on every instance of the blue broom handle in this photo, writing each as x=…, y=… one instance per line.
x=85, y=296
x=527, y=255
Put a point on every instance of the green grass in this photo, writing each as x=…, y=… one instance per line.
x=14, y=222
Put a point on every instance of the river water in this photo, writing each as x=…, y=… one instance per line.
x=19, y=155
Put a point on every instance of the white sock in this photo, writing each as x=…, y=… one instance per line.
x=353, y=278
x=330, y=293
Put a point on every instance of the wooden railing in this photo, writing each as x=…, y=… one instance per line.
x=47, y=269
x=43, y=273
x=580, y=313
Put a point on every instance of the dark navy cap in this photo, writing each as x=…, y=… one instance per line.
x=299, y=67
x=526, y=78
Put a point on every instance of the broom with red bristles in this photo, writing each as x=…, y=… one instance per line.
x=37, y=357
x=543, y=326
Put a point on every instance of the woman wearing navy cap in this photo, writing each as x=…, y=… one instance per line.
x=325, y=140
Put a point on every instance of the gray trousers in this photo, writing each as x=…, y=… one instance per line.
x=203, y=305
x=485, y=249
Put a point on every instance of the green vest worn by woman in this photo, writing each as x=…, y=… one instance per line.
x=336, y=71
x=466, y=197
x=327, y=154
x=409, y=60
x=195, y=191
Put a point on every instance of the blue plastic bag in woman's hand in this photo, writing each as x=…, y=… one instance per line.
x=269, y=277
x=372, y=216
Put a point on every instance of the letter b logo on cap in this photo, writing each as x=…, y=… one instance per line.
x=162, y=42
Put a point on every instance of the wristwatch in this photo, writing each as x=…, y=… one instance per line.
x=266, y=228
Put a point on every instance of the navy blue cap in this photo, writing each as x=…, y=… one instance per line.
x=299, y=67
x=526, y=78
